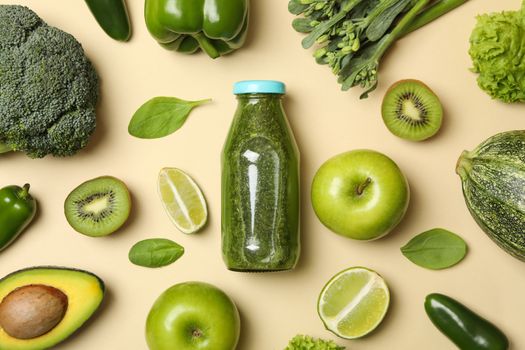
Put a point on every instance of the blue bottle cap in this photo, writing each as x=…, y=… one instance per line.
x=259, y=87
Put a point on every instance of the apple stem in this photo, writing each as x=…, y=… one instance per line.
x=361, y=188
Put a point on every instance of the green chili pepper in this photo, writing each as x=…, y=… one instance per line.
x=17, y=209
x=112, y=16
x=217, y=27
x=465, y=328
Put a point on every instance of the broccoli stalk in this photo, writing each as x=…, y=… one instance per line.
x=362, y=70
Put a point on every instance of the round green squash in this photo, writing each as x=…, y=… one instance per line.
x=493, y=179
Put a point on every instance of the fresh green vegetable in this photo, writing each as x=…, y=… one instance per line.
x=218, y=27
x=496, y=48
x=17, y=210
x=493, y=179
x=161, y=116
x=155, y=252
x=435, y=249
x=466, y=329
x=355, y=34
x=305, y=342
x=112, y=16
x=48, y=87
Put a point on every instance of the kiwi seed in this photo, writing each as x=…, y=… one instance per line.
x=411, y=110
x=98, y=207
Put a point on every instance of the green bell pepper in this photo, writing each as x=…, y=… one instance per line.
x=465, y=328
x=217, y=27
x=17, y=209
x=112, y=16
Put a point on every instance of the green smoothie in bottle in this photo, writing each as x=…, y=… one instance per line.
x=260, y=183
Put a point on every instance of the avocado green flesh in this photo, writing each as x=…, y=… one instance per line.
x=84, y=290
x=493, y=178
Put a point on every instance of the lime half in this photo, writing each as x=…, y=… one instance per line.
x=354, y=302
x=183, y=200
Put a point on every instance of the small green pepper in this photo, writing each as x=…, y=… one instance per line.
x=112, y=16
x=217, y=27
x=466, y=329
x=17, y=209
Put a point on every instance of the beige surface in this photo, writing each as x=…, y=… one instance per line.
x=274, y=307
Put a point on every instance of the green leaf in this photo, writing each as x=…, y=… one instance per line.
x=155, y=252
x=435, y=249
x=161, y=116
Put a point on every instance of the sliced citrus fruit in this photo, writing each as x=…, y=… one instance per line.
x=354, y=302
x=183, y=200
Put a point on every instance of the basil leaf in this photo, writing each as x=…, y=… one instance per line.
x=435, y=249
x=155, y=252
x=161, y=116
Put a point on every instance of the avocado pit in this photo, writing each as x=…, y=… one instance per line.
x=32, y=310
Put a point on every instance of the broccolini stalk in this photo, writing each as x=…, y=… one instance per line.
x=346, y=39
x=362, y=69
x=354, y=34
x=323, y=27
x=434, y=11
x=352, y=38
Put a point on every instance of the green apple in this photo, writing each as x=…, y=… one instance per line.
x=361, y=194
x=193, y=316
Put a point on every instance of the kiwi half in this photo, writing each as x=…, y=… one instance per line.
x=411, y=110
x=98, y=207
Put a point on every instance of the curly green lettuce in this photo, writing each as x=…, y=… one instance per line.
x=497, y=49
x=304, y=342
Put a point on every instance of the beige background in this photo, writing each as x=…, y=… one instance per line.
x=274, y=307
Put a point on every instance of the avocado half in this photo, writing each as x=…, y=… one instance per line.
x=84, y=290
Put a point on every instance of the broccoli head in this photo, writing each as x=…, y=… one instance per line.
x=48, y=87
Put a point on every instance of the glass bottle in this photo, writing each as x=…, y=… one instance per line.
x=260, y=183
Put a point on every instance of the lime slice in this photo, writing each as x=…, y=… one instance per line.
x=183, y=200
x=353, y=303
